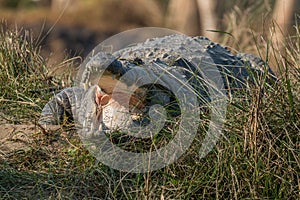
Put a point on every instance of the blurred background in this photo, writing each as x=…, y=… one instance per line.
x=69, y=28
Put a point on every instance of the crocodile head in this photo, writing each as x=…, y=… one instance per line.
x=106, y=112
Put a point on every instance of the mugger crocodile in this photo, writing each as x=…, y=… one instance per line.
x=92, y=104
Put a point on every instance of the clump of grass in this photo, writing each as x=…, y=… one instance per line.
x=25, y=81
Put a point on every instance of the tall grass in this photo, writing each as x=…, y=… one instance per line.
x=24, y=79
x=257, y=158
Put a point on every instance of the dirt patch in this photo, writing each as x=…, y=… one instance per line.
x=18, y=137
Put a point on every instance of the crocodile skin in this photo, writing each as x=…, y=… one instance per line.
x=188, y=57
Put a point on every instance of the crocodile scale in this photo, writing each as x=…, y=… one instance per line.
x=187, y=56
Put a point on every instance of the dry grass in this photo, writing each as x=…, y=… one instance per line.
x=257, y=158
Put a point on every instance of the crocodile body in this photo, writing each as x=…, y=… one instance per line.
x=185, y=56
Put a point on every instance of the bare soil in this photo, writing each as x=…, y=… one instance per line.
x=19, y=137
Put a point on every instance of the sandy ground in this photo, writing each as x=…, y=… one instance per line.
x=18, y=137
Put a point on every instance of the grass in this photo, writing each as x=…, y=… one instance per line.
x=25, y=80
x=257, y=158
x=23, y=76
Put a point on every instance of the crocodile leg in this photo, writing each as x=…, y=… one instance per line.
x=63, y=104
